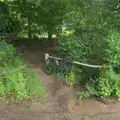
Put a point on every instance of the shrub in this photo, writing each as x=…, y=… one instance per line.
x=109, y=84
x=89, y=92
x=112, y=51
x=106, y=86
x=96, y=42
x=86, y=48
x=97, y=49
x=6, y=52
x=70, y=79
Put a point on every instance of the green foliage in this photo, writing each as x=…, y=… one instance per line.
x=109, y=84
x=93, y=37
x=16, y=80
x=92, y=40
x=89, y=92
x=2, y=88
x=15, y=85
x=88, y=42
x=6, y=50
x=4, y=15
x=70, y=79
x=106, y=86
x=34, y=87
x=113, y=47
x=50, y=14
x=84, y=47
x=32, y=16
x=8, y=22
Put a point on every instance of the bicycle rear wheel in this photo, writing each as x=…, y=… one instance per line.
x=49, y=66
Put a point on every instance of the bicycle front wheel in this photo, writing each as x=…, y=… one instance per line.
x=49, y=66
x=64, y=69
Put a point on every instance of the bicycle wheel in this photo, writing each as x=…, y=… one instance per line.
x=49, y=66
x=64, y=69
x=62, y=73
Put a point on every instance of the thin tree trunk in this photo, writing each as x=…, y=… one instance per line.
x=59, y=31
x=29, y=29
x=49, y=35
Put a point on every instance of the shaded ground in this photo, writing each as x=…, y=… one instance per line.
x=61, y=103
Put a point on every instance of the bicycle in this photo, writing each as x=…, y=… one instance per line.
x=62, y=66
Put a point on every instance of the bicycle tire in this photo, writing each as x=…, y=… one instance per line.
x=61, y=72
x=64, y=69
x=49, y=66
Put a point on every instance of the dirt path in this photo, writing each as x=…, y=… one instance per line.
x=60, y=104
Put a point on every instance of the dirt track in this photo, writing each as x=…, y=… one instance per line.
x=60, y=104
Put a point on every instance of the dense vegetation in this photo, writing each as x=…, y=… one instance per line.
x=17, y=81
x=89, y=30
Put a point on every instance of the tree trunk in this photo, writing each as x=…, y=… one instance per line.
x=29, y=29
x=59, y=31
x=49, y=35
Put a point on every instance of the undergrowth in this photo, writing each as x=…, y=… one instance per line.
x=107, y=85
x=17, y=82
x=107, y=82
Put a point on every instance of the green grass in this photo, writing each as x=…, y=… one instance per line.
x=35, y=88
x=17, y=82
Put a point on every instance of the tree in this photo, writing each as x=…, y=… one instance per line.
x=90, y=22
x=8, y=21
x=50, y=14
x=24, y=11
x=4, y=15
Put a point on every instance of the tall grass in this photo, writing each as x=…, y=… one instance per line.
x=16, y=80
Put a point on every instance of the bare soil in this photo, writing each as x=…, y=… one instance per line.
x=61, y=101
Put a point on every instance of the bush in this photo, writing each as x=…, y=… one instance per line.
x=6, y=52
x=109, y=84
x=70, y=79
x=112, y=51
x=85, y=51
x=87, y=47
x=16, y=80
x=95, y=42
x=106, y=86
x=89, y=92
